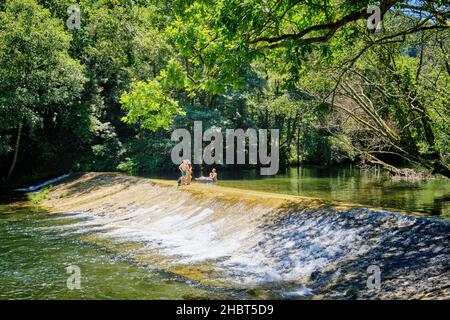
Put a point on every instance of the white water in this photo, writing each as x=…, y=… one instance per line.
x=43, y=184
x=247, y=246
x=300, y=292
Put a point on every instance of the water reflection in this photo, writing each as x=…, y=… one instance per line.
x=348, y=184
x=356, y=186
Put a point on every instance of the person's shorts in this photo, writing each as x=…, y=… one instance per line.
x=183, y=173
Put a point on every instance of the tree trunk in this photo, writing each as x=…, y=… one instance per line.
x=16, y=151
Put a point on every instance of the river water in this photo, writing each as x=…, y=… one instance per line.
x=191, y=248
x=34, y=261
x=347, y=184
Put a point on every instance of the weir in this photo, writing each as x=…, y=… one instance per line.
x=290, y=246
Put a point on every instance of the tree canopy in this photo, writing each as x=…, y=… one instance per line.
x=106, y=96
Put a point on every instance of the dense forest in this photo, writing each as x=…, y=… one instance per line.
x=106, y=93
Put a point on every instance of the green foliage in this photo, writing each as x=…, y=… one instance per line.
x=40, y=82
x=147, y=104
x=37, y=198
x=146, y=152
x=36, y=71
x=351, y=293
x=103, y=97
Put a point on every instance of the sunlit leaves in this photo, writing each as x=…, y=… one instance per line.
x=147, y=104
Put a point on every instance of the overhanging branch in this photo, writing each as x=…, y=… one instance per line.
x=331, y=27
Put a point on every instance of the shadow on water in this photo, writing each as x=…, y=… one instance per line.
x=441, y=205
x=412, y=259
x=412, y=253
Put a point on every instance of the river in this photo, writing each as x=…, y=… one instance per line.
x=176, y=246
x=347, y=184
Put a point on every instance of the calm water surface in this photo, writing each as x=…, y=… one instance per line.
x=351, y=185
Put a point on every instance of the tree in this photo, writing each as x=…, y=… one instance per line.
x=217, y=41
x=37, y=75
x=393, y=94
x=147, y=104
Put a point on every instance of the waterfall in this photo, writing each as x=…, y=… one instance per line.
x=302, y=248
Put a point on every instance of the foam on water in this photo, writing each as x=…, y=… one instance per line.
x=244, y=247
x=43, y=184
x=300, y=292
x=187, y=236
x=293, y=248
x=65, y=216
x=287, y=252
